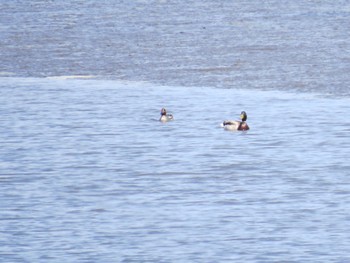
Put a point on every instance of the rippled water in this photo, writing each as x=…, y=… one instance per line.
x=286, y=45
x=89, y=174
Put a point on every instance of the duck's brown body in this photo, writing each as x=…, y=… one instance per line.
x=237, y=125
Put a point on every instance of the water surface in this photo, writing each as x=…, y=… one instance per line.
x=89, y=174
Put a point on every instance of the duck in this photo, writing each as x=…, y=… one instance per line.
x=164, y=116
x=237, y=125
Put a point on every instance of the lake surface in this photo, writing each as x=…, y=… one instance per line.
x=89, y=174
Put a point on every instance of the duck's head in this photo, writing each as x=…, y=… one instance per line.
x=163, y=112
x=243, y=116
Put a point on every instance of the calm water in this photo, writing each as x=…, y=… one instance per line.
x=88, y=174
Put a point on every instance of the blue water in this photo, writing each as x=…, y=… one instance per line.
x=89, y=174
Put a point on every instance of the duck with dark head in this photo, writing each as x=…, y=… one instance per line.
x=237, y=125
x=164, y=117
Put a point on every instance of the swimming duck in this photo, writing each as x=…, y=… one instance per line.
x=237, y=125
x=164, y=116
